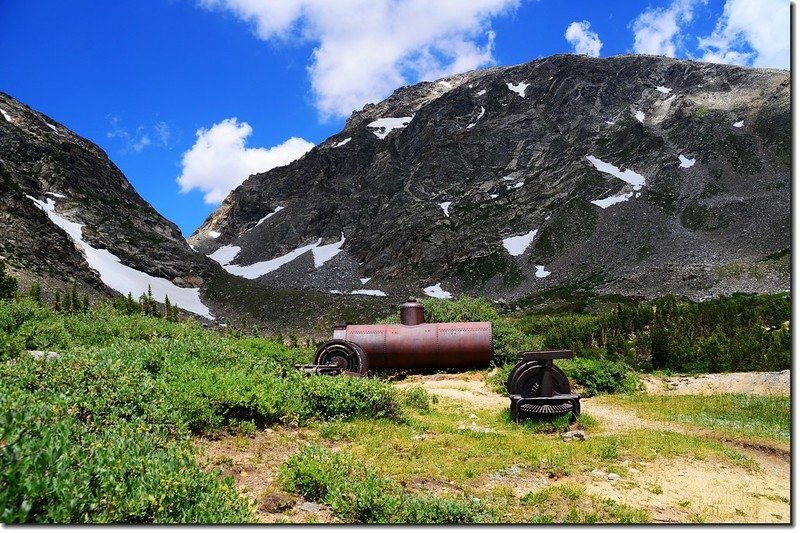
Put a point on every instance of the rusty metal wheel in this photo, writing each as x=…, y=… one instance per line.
x=346, y=355
x=529, y=379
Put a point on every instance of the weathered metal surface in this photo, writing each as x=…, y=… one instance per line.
x=349, y=357
x=537, y=387
x=443, y=345
x=412, y=313
x=416, y=344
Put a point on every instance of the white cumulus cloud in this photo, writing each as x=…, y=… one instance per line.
x=219, y=161
x=754, y=33
x=658, y=30
x=364, y=49
x=582, y=39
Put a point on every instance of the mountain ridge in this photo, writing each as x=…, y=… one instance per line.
x=70, y=215
x=426, y=188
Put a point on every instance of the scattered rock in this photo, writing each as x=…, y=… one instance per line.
x=476, y=429
x=598, y=473
x=577, y=434
x=36, y=354
x=473, y=416
x=613, y=477
x=311, y=507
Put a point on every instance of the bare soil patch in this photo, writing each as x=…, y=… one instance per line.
x=468, y=388
x=761, y=383
x=254, y=463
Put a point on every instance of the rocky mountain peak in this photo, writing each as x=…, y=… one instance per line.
x=69, y=214
x=632, y=174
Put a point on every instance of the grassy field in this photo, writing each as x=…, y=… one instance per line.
x=743, y=416
x=137, y=419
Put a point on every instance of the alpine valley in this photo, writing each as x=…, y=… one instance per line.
x=631, y=175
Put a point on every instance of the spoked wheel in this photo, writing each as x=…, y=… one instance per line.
x=346, y=355
x=530, y=379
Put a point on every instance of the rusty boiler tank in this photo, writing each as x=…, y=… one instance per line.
x=412, y=344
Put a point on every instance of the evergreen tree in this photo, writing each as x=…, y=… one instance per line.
x=8, y=283
x=67, y=303
x=35, y=292
x=74, y=299
x=57, y=301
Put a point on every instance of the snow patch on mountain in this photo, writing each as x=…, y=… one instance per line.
x=519, y=88
x=611, y=200
x=480, y=116
x=321, y=253
x=517, y=244
x=120, y=277
x=685, y=161
x=446, y=208
x=342, y=143
x=265, y=217
x=383, y=126
x=541, y=272
x=225, y=254
x=627, y=175
x=436, y=291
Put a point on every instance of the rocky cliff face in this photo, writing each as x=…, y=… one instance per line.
x=637, y=175
x=60, y=193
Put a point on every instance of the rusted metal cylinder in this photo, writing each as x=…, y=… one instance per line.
x=412, y=313
x=442, y=345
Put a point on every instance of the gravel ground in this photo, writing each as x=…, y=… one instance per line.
x=762, y=383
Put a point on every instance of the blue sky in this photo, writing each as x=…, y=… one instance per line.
x=188, y=97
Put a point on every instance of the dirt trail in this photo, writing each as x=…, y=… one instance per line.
x=675, y=490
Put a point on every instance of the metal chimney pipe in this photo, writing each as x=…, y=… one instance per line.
x=412, y=313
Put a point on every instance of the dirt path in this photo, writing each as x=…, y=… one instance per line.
x=678, y=490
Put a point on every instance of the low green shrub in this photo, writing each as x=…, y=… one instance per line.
x=356, y=493
x=55, y=468
x=330, y=398
x=600, y=376
x=100, y=433
x=416, y=397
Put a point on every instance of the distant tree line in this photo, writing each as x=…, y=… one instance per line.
x=727, y=334
x=72, y=301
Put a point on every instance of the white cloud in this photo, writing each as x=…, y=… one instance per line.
x=219, y=161
x=364, y=49
x=582, y=39
x=750, y=33
x=140, y=139
x=658, y=30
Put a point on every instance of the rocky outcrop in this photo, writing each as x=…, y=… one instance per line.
x=42, y=162
x=637, y=175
